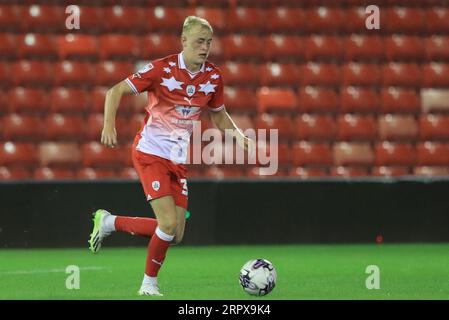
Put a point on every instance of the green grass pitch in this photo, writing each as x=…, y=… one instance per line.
x=418, y=271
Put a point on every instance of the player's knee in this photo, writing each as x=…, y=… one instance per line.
x=178, y=238
x=168, y=225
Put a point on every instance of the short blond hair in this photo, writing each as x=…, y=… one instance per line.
x=191, y=21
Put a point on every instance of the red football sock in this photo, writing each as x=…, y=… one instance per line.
x=157, y=249
x=144, y=227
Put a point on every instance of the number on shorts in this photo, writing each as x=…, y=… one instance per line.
x=184, y=191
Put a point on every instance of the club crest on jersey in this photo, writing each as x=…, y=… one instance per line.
x=190, y=90
x=186, y=111
x=156, y=185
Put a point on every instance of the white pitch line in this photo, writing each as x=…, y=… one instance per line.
x=93, y=268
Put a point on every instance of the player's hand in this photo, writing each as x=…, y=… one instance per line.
x=109, y=137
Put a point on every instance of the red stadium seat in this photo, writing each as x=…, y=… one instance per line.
x=215, y=16
x=108, y=73
x=96, y=155
x=240, y=100
x=283, y=124
x=95, y=126
x=125, y=18
x=433, y=154
x=361, y=74
x=5, y=73
x=400, y=47
x=241, y=47
x=353, y=154
x=223, y=172
x=397, y=127
x=98, y=95
x=163, y=18
x=18, y=127
x=73, y=73
x=434, y=127
x=32, y=73
x=69, y=100
x=403, y=19
x=305, y=173
x=256, y=172
x=437, y=20
x=435, y=100
x=279, y=47
x=95, y=174
x=324, y=19
x=348, y=172
x=305, y=153
x=359, y=100
x=317, y=47
x=361, y=47
x=17, y=154
x=65, y=127
x=92, y=18
x=245, y=19
x=275, y=74
x=435, y=75
x=32, y=45
x=401, y=74
x=320, y=74
x=355, y=19
x=437, y=48
x=14, y=173
x=10, y=17
x=429, y=171
x=356, y=128
x=119, y=46
x=395, y=154
x=36, y=18
x=315, y=127
x=159, y=45
x=276, y=100
x=386, y=171
x=285, y=19
x=8, y=45
x=46, y=173
x=316, y=99
x=240, y=74
x=397, y=100
x=59, y=154
x=129, y=173
x=279, y=150
x=78, y=46
x=28, y=100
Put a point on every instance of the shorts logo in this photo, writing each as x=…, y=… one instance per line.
x=156, y=185
x=190, y=90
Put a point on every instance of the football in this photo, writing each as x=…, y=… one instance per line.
x=258, y=277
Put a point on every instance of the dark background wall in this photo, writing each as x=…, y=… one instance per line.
x=58, y=214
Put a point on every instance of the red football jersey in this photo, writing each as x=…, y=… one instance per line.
x=176, y=98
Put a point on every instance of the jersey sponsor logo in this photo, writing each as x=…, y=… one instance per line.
x=156, y=185
x=186, y=111
x=190, y=90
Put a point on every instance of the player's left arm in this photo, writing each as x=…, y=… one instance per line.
x=224, y=122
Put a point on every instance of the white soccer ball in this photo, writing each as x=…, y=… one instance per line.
x=258, y=277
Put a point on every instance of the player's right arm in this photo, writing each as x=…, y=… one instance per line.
x=111, y=104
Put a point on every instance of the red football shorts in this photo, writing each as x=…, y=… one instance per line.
x=161, y=177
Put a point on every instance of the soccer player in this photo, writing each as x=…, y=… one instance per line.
x=179, y=87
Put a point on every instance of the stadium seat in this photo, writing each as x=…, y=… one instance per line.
x=37, y=18
x=437, y=20
x=320, y=74
x=245, y=19
x=108, y=73
x=95, y=123
x=125, y=19
x=405, y=20
x=73, y=73
x=240, y=100
x=69, y=100
x=306, y=173
x=437, y=48
x=46, y=173
x=242, y=47
x=353, y=154
x=18, y=127
x=430, y=171
x=5, y=74
x=25, y=72
x=25, y=100
x=266, y=152
x=94, y=154
x=397, y=127
x=8, y=45
x=14, y=173
x=98, y=96
x=155, y=46
x=434, y=127
x=401, y=48
x=278, y=47
x=215, y=16
x=95, y=174
x=435, y=75
x=119, y=46
x=434, y=100
x=401, y=74
x=319, y=47
x=352, y=127
x=59, y=154
x=282, y=123
x=317, y=100
x=348, y=172
x=78, y=46
x=92, y=18
x=242, y=121
x=128, y=173
x=164, y=18
x=361, y=74
x=389, y=171
x=310, y=154
x=19, y=155
x=238, y=74
x=32, y=45
x=359, y=100
x=363, y=48
x=395, y=154
x=220, y=172
x=275, y=100
x=284, y=19
x=355, y=18
x=314, y=127
x=397, y=100
x=64, y=127
x=433, y=154
x=324, y=19
x=10, y=17
x=276, y=74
